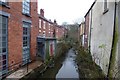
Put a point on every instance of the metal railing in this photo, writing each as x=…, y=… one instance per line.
x=14, y=67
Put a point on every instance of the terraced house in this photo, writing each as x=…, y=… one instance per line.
x=47, y=28
x=49, y=33
x=18, y=33
x=101, y=35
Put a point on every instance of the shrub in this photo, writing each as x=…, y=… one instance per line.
x=62, y=49
x=87, y=67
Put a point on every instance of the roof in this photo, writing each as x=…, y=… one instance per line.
x=90, y=8
x=45, y=19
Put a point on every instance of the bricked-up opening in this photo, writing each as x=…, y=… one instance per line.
x=42, y=12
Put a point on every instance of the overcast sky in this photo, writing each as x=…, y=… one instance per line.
x=69, y=11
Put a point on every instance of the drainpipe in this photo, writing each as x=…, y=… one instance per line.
x=112, y=42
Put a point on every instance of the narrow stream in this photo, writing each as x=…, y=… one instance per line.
x=69, y=68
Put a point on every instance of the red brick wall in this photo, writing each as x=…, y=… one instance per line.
x=59, y=32
x=86, y=30
x=49, y=27
x=34, y=29
x=15, y=31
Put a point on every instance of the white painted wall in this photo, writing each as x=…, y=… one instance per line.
x=102, y=34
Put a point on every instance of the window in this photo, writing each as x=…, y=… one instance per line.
x=105, y=7
x=26, y=7
x=39, y=23
x=49, y=26
x=3, y=44
x=3, y=1
x=105, y=4
x=26, y=42
x=39, y=31
x=57, y=30
x=44, y=25
x=43, y=34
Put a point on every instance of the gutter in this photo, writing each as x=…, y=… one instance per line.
x=110, y=59
x=90, y=8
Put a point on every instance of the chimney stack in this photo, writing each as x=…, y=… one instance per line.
x=55, y=21
x=42, y=12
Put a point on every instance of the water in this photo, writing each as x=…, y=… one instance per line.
x=69, y=68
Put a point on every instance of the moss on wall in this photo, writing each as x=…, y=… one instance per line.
x=113, y=60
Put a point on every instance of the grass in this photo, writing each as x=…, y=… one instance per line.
x=87, y=67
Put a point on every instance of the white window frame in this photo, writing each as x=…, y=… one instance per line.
x=39, y=23
x=40, y=31
x=49, y=25
x=44, y=24
x=57, y=30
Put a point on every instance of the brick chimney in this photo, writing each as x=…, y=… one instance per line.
x=55, y=21
x=42, y=12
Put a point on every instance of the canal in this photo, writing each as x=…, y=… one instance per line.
x=65, y=67
x=69, y=67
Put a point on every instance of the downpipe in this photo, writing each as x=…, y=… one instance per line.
x=110, y=59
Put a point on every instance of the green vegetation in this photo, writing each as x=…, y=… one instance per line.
x=72, y=34
x=61, y=49
x=114, y=51
x=87, y=67
x=45, y=71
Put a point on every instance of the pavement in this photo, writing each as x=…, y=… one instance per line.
x=23, y=71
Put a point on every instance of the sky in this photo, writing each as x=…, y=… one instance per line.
x=69, y=11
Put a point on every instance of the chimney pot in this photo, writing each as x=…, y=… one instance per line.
x=42, y=12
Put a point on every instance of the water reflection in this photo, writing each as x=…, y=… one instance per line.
x=69, y=68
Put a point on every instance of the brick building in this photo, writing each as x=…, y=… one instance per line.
x=48, y=33
x=18, y=33
x=20, y=27
x=47, y=28
x=60, y=32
